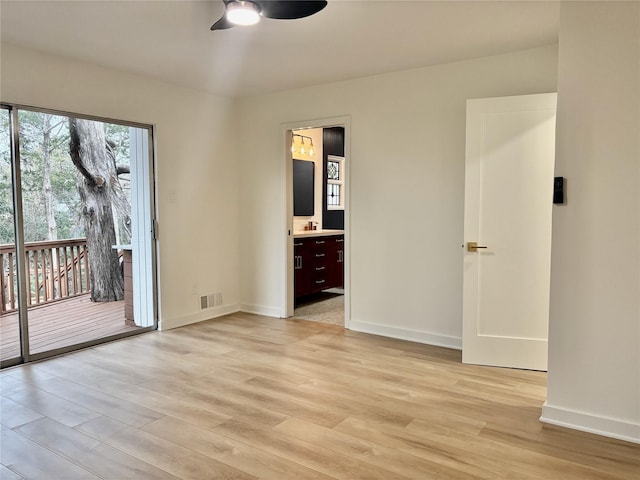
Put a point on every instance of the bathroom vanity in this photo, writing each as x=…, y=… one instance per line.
x=318, y=261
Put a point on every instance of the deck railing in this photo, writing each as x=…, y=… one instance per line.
x=55, y=270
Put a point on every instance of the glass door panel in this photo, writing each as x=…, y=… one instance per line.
x=9, y=321
x=78, y=229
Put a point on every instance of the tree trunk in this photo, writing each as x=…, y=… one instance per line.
x=52, y=228
x=95, y=185
x=121, y=203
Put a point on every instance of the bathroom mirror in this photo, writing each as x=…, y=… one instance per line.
x=303, y=188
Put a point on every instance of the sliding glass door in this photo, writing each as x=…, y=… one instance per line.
x=85, y=215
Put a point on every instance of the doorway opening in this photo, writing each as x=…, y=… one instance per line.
x=76, y=242
x=317, y=220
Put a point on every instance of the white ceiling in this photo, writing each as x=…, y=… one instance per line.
x=171, y=40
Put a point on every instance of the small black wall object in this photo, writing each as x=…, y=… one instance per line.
x=558, y=190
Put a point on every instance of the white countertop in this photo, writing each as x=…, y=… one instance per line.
x=317, y=233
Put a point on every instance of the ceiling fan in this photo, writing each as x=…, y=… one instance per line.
x=248, y=12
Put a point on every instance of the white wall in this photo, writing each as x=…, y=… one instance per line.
x=406, y=189
x=197, y=176
x=594, y=336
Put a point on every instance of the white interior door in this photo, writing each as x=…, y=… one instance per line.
x=510, y=154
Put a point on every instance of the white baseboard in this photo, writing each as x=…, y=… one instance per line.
x=200, y=316
x=586, y=422
x=262, y=310
x=406, y=334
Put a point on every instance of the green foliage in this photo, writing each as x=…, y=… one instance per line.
x=33, y=128
x=6, y=193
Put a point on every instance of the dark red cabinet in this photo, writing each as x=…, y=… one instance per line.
x=318, y=264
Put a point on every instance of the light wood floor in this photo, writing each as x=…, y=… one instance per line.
x=247, y=397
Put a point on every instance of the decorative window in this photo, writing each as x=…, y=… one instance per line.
x=335, y=183
x=333, y=195
x=333, y=170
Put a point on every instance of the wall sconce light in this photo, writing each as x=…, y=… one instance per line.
x=309, y=150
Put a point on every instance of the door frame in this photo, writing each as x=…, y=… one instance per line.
x=286, y=135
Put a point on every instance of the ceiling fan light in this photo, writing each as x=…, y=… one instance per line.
x=243, y=13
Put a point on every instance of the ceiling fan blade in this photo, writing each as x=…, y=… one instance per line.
x=290, y=9
x=222, y=24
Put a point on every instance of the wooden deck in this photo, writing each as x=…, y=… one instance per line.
x=61, y=324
